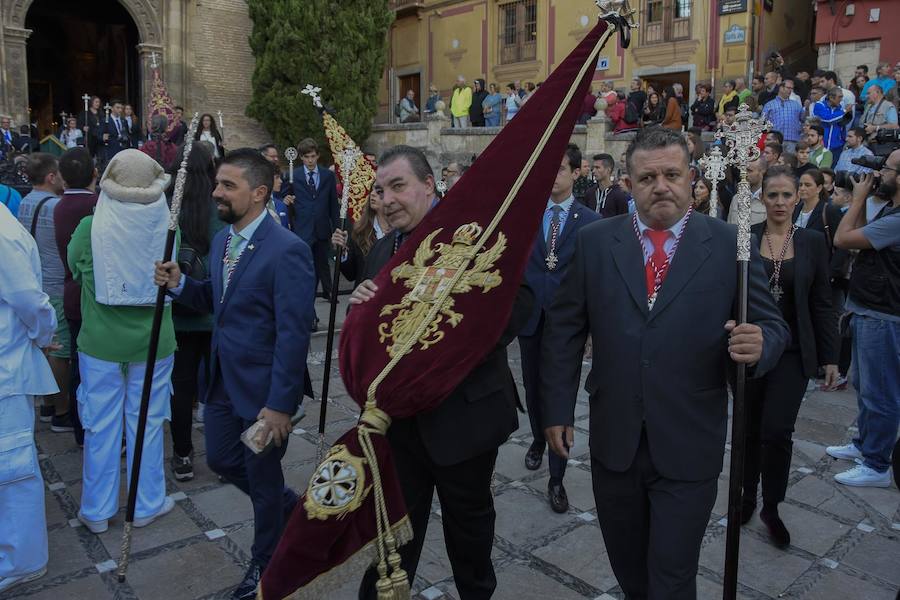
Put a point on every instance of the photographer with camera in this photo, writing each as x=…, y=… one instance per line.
x=853, y=148
x=879, y=114
x=874, y=308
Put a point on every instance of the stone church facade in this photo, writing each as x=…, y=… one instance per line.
x=204, y=53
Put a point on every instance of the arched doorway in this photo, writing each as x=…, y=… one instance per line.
x=77, y=48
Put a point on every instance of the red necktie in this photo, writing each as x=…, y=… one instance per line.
x=658, y=258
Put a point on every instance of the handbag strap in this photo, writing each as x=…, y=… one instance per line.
x=37, y=212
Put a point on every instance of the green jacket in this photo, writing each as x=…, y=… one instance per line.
x=112, y=333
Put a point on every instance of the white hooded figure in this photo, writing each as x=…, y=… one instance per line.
x=27, y=324
x=112, y=256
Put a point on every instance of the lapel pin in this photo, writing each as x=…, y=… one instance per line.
x=250, y=247
x=575, y=216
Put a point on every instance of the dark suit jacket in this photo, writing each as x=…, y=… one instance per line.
x=664, y=370
x=316, y=216
x=825, y=218
x=117, y=140
x=134, y=131
x=480, y=414
x=544, y=282
x=262, y=325
x=616, y=201
x=816, y=316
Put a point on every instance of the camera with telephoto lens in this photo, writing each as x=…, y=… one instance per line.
x=842, y=179
x=885, y=142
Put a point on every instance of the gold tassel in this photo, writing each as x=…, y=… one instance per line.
x=399, y=578
x=384, y=587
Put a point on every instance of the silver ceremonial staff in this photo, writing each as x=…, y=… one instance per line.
x=151, y=353
x=741, y=137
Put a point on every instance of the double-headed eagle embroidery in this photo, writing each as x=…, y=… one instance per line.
x=428, y=285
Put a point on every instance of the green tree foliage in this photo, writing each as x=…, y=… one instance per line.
x=338, y=46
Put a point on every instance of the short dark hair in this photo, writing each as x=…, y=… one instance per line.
x=830, y=75
x=606, y=159
x=76, y=167
x=39, y=165
x=818, y=73
x=818, y=129
x=776, y=136
x=115, y=101
x=573, y=153
x=778, y=148
x=858, y=131
x=759, y=78
x=780, y=171
x=265, y=147
x=307, y=145
x=257, y=171
x=802, y=146
x=863, y=68
x=819, y=88
x=181, y=108
x=655, y=138
x=415, y=157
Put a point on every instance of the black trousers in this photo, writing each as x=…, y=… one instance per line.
x=321, y=250
x=257, y=475
x=74, y=381
x=652, y=527
x=193, y=350
x=773, y=402
x=467, y=511
x=530, y=350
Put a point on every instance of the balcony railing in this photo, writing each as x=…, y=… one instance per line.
x=406, y=7
x=668, y=29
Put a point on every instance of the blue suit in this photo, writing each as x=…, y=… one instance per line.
x=119, y=139
x=316, y=216
x=544, y=282
x=259, y=344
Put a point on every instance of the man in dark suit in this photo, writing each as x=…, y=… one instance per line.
x=132, y=126
x=260, y=291
x=315, y=208
x=605, y=197
x=658, y=401
x=9, y=139
x=553, y=250
x=452, y=448
x=115, y=131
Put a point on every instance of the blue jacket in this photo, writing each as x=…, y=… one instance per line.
x=316, y=215
x=832, y=122
x=262, y=324
x=544, y=282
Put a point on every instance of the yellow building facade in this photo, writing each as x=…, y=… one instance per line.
x=502, y=41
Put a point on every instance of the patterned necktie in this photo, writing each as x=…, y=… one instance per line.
x=657, y=261
x=312, y=180
x=232, y=256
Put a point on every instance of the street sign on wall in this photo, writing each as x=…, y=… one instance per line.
x=730, y=7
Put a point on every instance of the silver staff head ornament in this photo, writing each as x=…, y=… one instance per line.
x=290, y=153
x=313, y=92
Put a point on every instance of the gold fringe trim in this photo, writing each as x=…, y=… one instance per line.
x=357, y=564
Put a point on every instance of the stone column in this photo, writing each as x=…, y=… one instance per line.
x=16, y=73
x=435, y=123
x=597, y=128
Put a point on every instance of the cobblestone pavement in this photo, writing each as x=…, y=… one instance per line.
x=846, y=541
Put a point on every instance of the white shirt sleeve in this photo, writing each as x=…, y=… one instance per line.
x=20, y=288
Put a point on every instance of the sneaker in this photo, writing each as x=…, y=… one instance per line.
x=863, y=476
x=97, y=527
x=183, y=467
x=7, y=583
x=168, y=505
x=848, y=452
x=840, y=384
x=246, y=590
x=46, y=413
x=61, y=423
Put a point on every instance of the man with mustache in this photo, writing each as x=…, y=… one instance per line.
x=260, y=290
x=874, y=306
x=659, y=287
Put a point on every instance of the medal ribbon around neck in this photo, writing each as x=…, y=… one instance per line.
x=552, y=259
x=659, y=271
x=775, y=280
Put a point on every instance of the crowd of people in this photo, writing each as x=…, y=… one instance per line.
x=254, y=247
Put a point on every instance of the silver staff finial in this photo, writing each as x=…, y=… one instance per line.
x=313, y=92
x=713, y=165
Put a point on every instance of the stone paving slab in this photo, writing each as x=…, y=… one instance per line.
x=844, y=546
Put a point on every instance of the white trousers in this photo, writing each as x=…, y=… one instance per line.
x=23, y=524
x=110, y=393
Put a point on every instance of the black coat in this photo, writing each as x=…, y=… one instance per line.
x=663, y=371
x=816, y=316
x=616, y=201
x=825, y=218
x=481, y=413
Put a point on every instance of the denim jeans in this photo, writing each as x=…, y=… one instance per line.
x=875, y=373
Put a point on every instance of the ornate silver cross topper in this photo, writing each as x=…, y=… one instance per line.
x=713, y=165
x=313, y=92
x=290, y=154
x=620, y=15
x=349, y=157
x=441, y=187
x=153, y=63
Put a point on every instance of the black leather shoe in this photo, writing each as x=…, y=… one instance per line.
x=247, y=588
x=781, y=537
x=534, y=456
x=559, y=500
x=748, y=506
x=315, y=325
